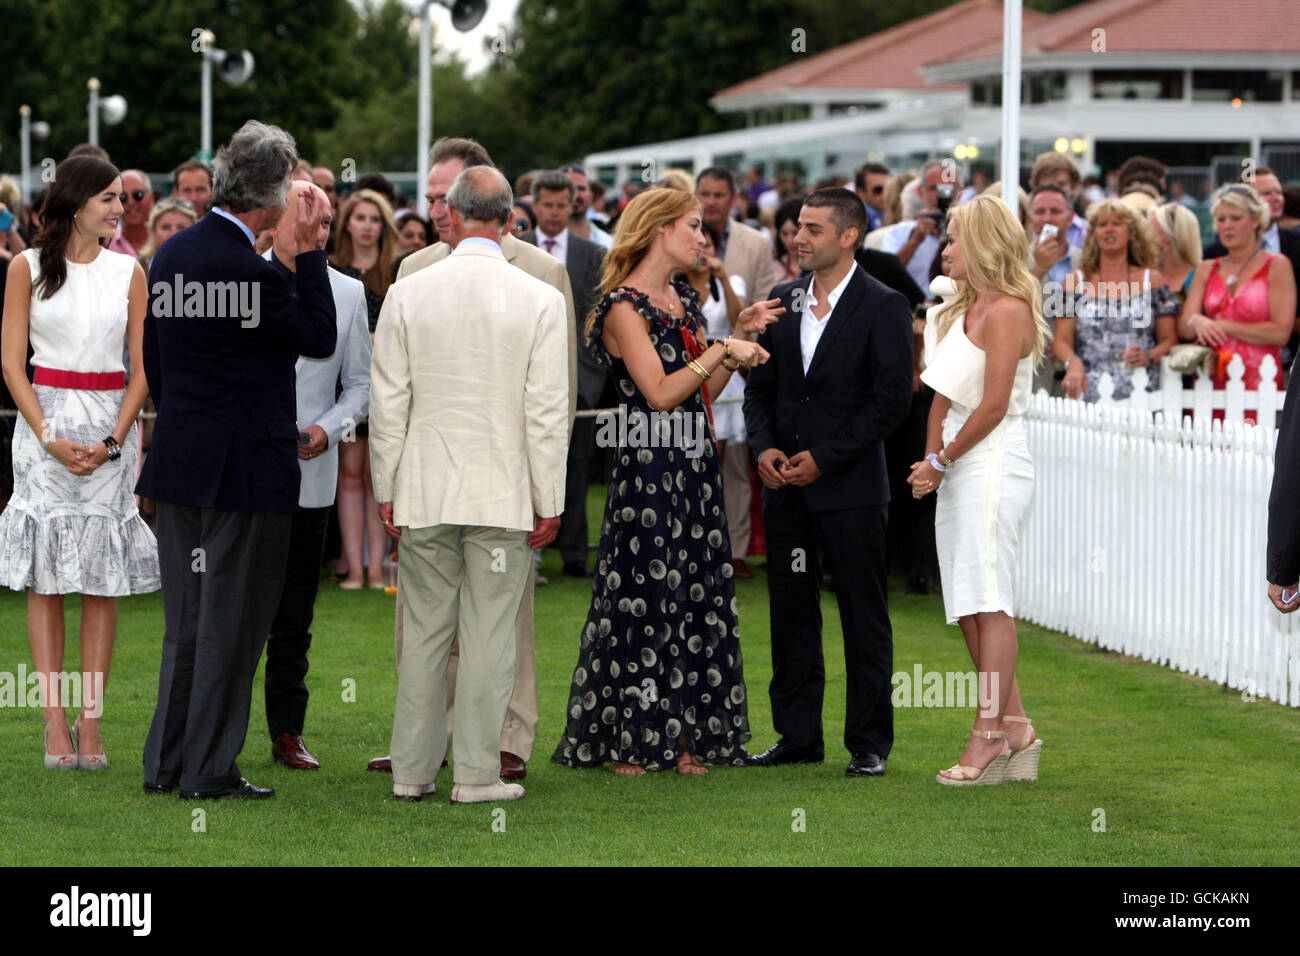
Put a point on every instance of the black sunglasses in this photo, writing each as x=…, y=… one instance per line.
x=136, y=194
x=877, y=190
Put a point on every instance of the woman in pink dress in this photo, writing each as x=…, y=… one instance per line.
x=1242, y=303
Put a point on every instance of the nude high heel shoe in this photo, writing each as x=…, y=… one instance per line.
x=994, y=773
x=91, y=761
x=59, y=761
x=1023, y=764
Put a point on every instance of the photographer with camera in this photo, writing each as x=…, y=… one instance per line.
x=916, y=241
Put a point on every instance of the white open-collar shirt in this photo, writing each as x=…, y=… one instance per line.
x=810, y=328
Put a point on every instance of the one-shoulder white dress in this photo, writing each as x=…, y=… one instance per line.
x=983, y=498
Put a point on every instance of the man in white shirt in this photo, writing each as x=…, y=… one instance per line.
x=916, y=242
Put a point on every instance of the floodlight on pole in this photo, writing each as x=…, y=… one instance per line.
x=234, y=66
x=40, y=130
x=465, y=16
x=112, y=107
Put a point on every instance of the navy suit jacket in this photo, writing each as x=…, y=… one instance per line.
x=1283, y=559
x=222, y=377
x=857, y=389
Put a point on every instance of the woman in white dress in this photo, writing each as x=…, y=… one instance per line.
x=981, y=348
x=72, y=524
x=722, y=297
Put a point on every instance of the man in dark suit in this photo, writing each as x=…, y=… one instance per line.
x=1283, y=565
x=553, y=194
x=839, y=380
x=221, y=338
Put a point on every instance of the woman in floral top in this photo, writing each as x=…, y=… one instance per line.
x=1117, y=312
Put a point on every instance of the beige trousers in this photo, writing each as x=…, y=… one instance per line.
x=520, y=730
x=737, y=496
x=467, y=582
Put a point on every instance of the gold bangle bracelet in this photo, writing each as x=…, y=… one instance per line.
x=730, y=367
x=698, y=369
x=944, y=459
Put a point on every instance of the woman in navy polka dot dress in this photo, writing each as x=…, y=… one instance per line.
x=659, y=682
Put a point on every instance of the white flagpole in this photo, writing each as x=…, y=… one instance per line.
x=1010, y=169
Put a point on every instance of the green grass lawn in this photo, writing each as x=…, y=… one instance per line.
x=1184, y=771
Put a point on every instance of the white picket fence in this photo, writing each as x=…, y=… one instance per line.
x=1202, y=400
x=1147, y=534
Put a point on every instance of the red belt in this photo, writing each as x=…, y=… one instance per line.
x=90, y=381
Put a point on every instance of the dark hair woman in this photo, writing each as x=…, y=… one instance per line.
x=72, y=524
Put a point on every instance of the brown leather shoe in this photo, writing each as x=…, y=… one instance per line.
x=385, y=764
x=740, y=569
x=512, y=767
x=289, y=750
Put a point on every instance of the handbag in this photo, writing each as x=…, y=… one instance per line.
x=1186, y=359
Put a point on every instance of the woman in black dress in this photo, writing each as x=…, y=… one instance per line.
x=659, y=681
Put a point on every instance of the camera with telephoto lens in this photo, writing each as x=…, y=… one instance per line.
x=944, y=191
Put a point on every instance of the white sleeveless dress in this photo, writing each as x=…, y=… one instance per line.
x=63, y=533
x=983, y=498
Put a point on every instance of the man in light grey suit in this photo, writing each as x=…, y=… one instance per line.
x=448, y=157
x=331, y=420
x=468, y=480
x=553, y=194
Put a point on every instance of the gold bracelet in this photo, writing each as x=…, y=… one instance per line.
x=698, y=369
x=730, y=367
x=944, y=459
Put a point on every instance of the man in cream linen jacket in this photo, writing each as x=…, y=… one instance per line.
x=468, y=439
x=449, y=156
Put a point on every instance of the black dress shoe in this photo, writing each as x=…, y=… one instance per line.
x=158, y=787
x=576, y=569
x=866, y=765
x=243, y=791
x=783, y=753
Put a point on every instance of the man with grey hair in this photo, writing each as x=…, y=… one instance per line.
x=468, y=481
x=221, y=337
x=133, y=228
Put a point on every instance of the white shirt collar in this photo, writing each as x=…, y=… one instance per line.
x=561, y=240
x=252, y=239
x=811, y=299
x=478, y=242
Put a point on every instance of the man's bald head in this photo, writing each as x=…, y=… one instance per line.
x=283, y=231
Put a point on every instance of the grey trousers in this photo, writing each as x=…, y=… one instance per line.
x=222, y=573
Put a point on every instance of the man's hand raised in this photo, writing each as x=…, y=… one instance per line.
x=312, y=209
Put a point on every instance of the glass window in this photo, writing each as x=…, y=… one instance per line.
x=1137, y=84
x=1229, y=86
x=1042, y=87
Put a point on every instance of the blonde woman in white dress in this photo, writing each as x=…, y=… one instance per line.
x=981, y=348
